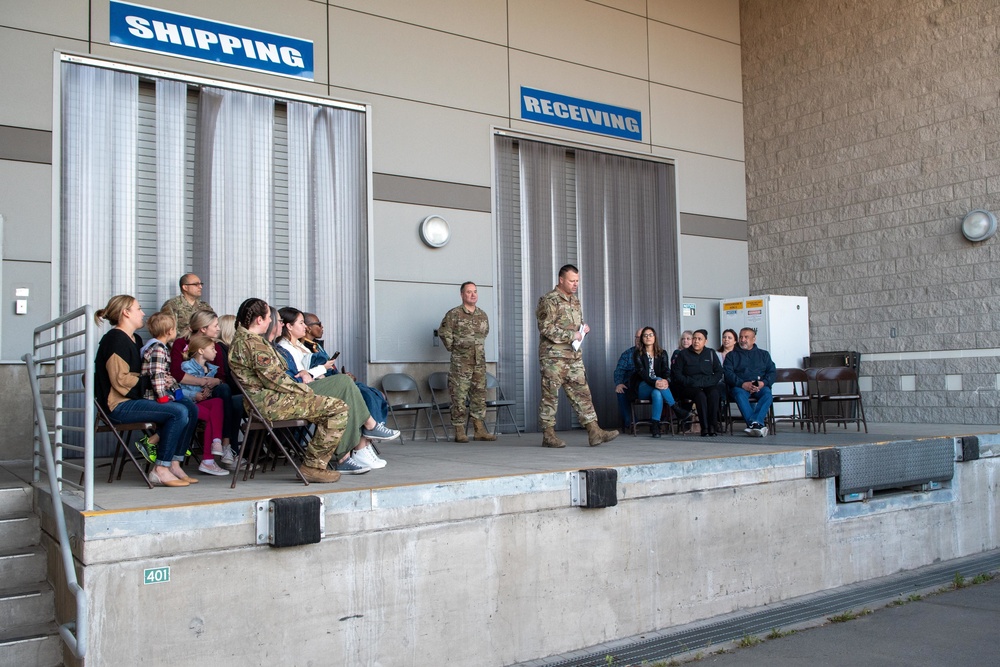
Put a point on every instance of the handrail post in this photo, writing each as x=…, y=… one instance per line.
x=74, y=633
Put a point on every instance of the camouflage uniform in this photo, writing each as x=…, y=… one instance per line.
x=559, y=318
x=464, y=335
x=261, y=370
x=183, y=311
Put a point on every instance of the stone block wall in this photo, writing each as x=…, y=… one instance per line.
x=871, y=129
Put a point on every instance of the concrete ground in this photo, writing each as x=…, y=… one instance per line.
x=952, y=628
x=423, y=461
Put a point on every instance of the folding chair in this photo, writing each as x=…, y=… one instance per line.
x=438, y=382
x=401, y=383
x=798, y=380
x=255, y=426
x=843, y=393
x=500, y=402
x=103, y=424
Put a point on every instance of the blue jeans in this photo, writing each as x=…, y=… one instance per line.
x=658, y=397
x=753, y=413
x=374, y=401
x=175, y=422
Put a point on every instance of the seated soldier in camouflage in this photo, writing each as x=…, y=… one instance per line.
x=259, y=368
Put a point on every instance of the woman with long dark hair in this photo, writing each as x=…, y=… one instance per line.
x=361, y=427
x=650, y=379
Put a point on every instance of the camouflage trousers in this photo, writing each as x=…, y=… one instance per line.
x=328, y=414
x=572, y=377
x=467, y=382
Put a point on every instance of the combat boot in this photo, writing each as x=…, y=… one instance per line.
x=598, y=435
x=480, y=432
x=318, y=475
x=460, y=435
x=550, y=439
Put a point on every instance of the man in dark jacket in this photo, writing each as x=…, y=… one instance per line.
x=750, y=372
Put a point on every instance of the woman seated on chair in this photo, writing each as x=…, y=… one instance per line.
x=682, y=344
x=361, y=426
x=119, y=389
x=649, y=381
x=728, y=343
x=698, y=372
x=206, y=323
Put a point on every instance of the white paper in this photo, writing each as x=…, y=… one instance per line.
x=578, y=343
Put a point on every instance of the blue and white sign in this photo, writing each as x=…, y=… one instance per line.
x=186, y=36
x=554, y=109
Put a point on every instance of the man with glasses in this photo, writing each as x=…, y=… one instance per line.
x=187, y=303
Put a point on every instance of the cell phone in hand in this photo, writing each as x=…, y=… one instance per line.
x=335, y=355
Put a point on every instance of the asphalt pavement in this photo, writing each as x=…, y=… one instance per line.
x=957, y=627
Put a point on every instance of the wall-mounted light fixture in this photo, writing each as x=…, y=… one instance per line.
x=434, y=231
x=979, y=225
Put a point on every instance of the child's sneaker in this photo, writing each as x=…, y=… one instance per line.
x=228, y=461
x=146, y=449
x=210, y=467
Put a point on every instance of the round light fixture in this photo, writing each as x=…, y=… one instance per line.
x=979, y=225
x=434, y=231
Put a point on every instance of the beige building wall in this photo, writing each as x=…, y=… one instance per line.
x=871, y=130
x=439, y=76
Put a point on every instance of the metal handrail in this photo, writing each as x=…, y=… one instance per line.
x=74, y=633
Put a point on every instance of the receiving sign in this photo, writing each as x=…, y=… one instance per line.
x=577, y=114
x=148, y=29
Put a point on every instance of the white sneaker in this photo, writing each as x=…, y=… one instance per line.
x=748, y=430
x=368, y=457
x=762, y=431
x=210, y=467
x=228, y=461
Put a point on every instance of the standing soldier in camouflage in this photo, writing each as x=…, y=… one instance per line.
x=560, y=323
x=463, y=332
x=258, y=367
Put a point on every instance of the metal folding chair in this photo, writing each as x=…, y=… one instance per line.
x=401, y=383
x=254, y=428
x=438, y=383
x=499, y=403
x=103, y=424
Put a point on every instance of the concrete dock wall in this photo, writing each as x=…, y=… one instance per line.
x=501, y=570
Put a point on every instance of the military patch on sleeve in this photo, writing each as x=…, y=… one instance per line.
x=263, y=359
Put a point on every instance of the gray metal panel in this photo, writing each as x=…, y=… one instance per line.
x=714, y=227
x=407, y=190
x=895, y=465
x=25, y=145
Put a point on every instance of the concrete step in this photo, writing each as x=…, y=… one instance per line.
x=19, y=530
x=21, y=565
x=37, y=645
x=26, y=604
x=15, y=499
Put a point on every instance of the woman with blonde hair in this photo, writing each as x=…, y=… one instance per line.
x=206, y=323
x=119, y=387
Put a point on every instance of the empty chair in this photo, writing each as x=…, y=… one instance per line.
x=401, y=383
x=839, y=387
x=796, y=381
x=438, y=382
x=498, y=403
